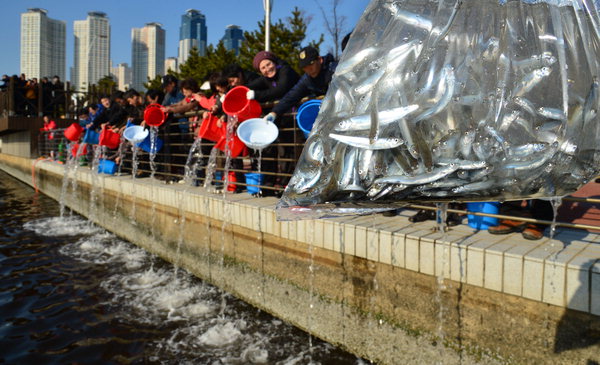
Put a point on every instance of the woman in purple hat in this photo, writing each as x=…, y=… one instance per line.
x=277, y=77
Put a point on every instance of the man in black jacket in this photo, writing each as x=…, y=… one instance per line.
x=318, y=71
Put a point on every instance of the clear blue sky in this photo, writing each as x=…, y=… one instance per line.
x=127, y=14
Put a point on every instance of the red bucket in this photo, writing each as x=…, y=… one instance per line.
x=232, y=179
x=109, y=139
x=236, y=103
x=209, y=130
x=153, y=115
x=236, y=146
x=75, y=149
x=73, y=132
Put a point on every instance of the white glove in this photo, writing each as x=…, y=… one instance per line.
x=250, y=95
x=222, y=98
x=270, y=117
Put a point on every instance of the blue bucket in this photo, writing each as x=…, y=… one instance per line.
x=146, y=144
x=306, y=115
x=481, y=222
x=107, y=167
x=253, y=180
x=91, y=137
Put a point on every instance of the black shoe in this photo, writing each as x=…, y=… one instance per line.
x=390, y=213
x=453, y=219
x=422, y=215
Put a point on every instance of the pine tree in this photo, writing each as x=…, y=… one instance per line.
x=286, y=40
x=193, y=67
x=154, y=84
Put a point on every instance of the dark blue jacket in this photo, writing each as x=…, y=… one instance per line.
x=308, y=86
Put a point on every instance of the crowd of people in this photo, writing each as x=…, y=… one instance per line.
x=272, y=80
x=29, y=94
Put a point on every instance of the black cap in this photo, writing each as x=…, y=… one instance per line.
x=307, y=56
x=167, y=79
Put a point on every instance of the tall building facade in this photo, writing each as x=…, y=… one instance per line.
x=147, y=53
x=171, y=64
x=122, y=76
x=192, y=33
x=91, y=50
x=42, y=45
x=233, y=38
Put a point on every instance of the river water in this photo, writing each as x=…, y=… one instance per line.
x=71, y=292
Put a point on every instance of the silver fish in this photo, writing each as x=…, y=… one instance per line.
x=526, y=105
x=363, y=142
x=462, y=164
x=424, y=178
x=535, y=61
x=530, y=81
x=526, y=150
x=368, y=83
x=530, y=164
x=466, y=143
x=307, y=181
x=473, y=187
x=409, y=18
x=362, y=56
x=552, y=113
x=446, y=97
x=363, y=122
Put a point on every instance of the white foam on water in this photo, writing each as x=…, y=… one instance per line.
x=221, y=335
x=65, y=226
x=106, y=248
x=255, y=355
x=143, y=294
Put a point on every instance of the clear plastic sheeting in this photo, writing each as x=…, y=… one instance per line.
x=471, y=100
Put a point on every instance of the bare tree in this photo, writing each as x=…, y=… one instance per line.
x=334, y=23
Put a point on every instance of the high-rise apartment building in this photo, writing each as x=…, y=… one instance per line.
x=42, y=45
x=171, y=64
x=122, y=76
x=91, y=50
x=233, y=38
x=147, y=53
x=192, y=33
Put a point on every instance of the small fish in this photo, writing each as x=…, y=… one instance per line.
x=362, y=56
x=535, y=61
x=530, y=164
x=552, y=113
x=525, y=150
x=363, y=142
x=446, y=97
x=397, y=56
x=348, y=168
x=466, y=143
x=526, y=105
x=462, y=164
x=368, y=83
x=473, y=187
x=530, y=81
x=306, y=181
x=363, y=122
x=409, y=18
x=424, y=178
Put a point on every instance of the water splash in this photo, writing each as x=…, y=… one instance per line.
x=134, y=172
x=211, y=167
x=441, y=216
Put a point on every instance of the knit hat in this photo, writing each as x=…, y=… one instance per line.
x=263, y=55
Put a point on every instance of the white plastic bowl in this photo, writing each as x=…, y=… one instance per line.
x=257, y=133
x=135, y=133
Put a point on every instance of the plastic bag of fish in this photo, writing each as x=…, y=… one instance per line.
x=472, y=100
